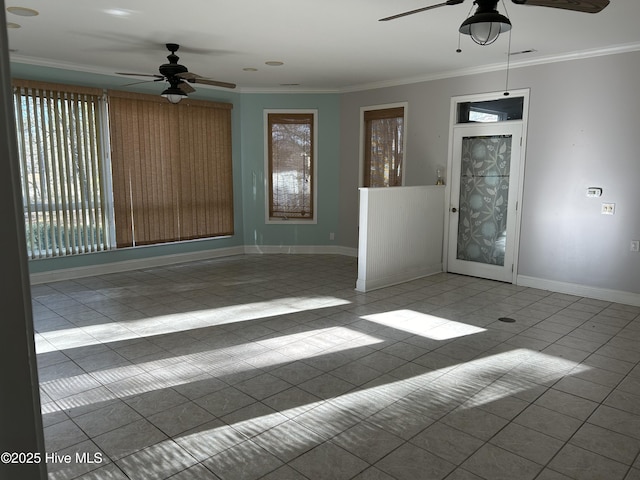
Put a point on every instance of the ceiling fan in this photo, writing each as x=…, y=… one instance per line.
x=178, y=77
x=486, y=24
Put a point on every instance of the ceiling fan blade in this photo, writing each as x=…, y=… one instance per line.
x=186, y=88
x=587, y=6
x=215, y=83
x=159, y=77
x=143, y=81
x=423, y=9
x=195, y=78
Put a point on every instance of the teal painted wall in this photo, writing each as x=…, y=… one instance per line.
x=256, y=231
x=248, y=163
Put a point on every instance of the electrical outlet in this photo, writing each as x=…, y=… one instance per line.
x=635, y=246
x=332, y=236
x=608, y=208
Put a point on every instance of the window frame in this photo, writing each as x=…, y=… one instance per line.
x=267, y=168
x=361, y=147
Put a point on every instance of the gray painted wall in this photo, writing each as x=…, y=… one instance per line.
x=595, y=143
x=583, y=131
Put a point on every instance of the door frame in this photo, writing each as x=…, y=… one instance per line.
x=519, y=183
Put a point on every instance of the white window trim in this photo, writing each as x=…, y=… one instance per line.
x=279, y=221
x=405, y=106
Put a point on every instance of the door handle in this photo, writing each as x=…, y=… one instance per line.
x=454, y=209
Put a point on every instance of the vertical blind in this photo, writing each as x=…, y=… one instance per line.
x=383, y=149
x=171, y=168
x=61, y=150
x=290, y=145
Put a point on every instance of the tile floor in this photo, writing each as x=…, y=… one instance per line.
x=274, y=367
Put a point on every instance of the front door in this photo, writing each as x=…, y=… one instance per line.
x=484, y=193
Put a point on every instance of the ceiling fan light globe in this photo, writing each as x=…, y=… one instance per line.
x=173, y=98
x=173, y=95
x=484, y=28
x=484, y=33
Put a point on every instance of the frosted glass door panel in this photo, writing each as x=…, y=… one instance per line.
x=484, y=189
x=483, y=202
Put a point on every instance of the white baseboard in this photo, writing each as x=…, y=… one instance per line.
x=616, y=296
x=301, y=250
x=128, y=265
x=366, y=285
x=160, y=261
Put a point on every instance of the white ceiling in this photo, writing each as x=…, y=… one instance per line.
x=326, y=45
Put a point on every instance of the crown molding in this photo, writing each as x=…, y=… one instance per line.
x=613, y=50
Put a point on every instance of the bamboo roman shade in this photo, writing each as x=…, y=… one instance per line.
x=383, y=148
x=172, y=169
x=291, y=165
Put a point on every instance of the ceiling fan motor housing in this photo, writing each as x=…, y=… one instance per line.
x=486, y=6
x=172, y=68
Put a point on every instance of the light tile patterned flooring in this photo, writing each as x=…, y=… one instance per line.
x=274, y=367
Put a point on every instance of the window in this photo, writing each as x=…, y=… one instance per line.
x=168, y=178
x=383, y=149
x=501, y=110
x=60, y=144
x=172, y=169
x=477, y=115
x=291, y=165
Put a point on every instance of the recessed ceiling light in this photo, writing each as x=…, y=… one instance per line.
x=274, y=63
x=13, y=25
x=23, y=12
x=118, y=12
x=249, y=69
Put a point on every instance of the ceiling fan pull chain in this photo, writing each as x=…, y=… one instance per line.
x=506, y=85
x=459, y=50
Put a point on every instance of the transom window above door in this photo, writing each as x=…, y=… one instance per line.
x=489, y=111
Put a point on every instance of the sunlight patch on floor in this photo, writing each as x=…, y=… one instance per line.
x=423, y=324
x=430, y=395
x=88, y=335
x=134, y=379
